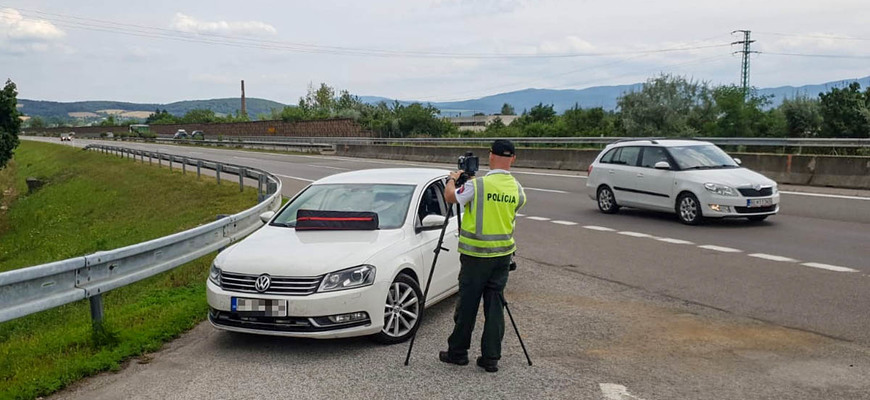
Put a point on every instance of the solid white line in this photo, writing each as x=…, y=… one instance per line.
x=829, y=267
x=295, y=177
x=634, y=234
x=674, y=241
x=612, y=391
x=569, y=223
x=539, y=218
x=248, y=158
x=327, y=166
x=599, y=228
x=772, y=257
x=720, y=248
x=545, y=190
x=834, y=196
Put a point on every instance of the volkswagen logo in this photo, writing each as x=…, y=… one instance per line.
x=263, y=282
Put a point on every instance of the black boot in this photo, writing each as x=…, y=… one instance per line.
x=444, y=356
x=488, y=365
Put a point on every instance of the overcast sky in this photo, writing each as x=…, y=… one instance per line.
x=432, y=50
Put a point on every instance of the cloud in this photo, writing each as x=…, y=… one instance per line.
x=189, y=24
x=20, y=34
x=568, y=44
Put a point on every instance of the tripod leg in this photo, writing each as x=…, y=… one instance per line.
x=505, y=303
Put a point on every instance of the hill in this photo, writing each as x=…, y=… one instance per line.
x=49, y=109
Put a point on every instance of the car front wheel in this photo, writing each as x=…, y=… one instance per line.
x=607, y=201
x=401, y=311
x=689, y=209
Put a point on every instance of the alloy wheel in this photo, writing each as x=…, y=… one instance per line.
x=688, y=209
x=401, y=310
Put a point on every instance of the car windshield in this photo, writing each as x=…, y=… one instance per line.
x=706, y=156
x=390, y=202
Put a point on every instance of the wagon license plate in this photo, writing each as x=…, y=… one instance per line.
x=259, y=307
x=759, y=202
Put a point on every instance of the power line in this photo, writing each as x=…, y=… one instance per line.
x=809, y=36
x=856, y=56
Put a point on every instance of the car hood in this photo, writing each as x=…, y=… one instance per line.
x=288, y=252
x=734, y=177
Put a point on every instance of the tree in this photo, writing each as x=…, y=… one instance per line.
x=198, y=116
x=507, y=109
x=10, y=123
x=161, y=117
x=803, y=117
x=739, y=115
x=667, y=106
x=36, y=122
x=846, y=112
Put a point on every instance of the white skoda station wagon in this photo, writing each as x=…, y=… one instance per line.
x=694, y=179
x=351, y=281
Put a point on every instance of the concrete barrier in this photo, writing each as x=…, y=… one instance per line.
x=832, y=171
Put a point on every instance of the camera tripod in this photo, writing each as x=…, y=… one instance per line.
x=438, y=250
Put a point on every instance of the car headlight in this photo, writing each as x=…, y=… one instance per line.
x=214, y=275
x=721, y=190
x=774, y=189
x=359, y=276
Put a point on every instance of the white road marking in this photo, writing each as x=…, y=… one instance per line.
x=829, y=267
x=539, y=218
x=772, y=257
x=674, y=241
x=521, y=215
x=296, y=177
x=247, y=158
x=720, y=248
x=545, y=190
x=327, y=166
x=599, y=228
x=569, y=223
x=834, y=196
x=612, y=391
x=634, y=234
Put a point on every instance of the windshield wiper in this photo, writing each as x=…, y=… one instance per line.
x=712, y=166
x=283, y=224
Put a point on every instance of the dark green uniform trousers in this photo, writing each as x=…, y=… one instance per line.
x=480, y=277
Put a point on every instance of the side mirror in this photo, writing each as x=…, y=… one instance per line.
x=662, y=165
x=737, y=160
x=266, y=216
x=433, y=221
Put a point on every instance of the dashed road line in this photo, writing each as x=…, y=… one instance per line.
x=521, y=215
x=295, y=177
x=772, y=257
x=599, y=228
x=720, y=248
x=545, y=190
x=634, y=234
x=674, y=241
x=569, y=223
x=612, y=391
x=539, y=218
x=828, y=267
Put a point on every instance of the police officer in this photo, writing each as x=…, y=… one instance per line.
x=486, y=244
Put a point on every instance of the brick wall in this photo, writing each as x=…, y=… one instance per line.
x=319, y=128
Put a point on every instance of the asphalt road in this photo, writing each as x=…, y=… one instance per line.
x=636, y=300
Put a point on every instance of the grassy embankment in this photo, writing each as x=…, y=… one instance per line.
x=96, y=202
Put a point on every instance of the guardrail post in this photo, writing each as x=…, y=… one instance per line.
x=149, y=158
x=184, y=166
x=242, y=173
x=260, y=195
x=217, y=172
x=170, y=162
x=96, y=310
x=159, y=160
x=271, y=187
x=198, y=169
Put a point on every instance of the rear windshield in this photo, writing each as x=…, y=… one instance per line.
x=390, y=202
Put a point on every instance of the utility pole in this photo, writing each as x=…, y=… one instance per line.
x=244, y=105
x=744, y=72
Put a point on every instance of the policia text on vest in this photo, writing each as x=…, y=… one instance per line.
x=486, y=244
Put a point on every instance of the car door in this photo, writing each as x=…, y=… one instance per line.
x=623, y=170
x=654, y=186
x=446, y=275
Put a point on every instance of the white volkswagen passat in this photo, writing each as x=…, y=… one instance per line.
x=340, y=283
x=694, y=179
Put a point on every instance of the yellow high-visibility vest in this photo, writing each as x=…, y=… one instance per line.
x=488, y=222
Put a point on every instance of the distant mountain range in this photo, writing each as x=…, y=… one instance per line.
x=598, y=96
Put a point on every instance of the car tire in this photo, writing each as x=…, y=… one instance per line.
x=402, y=310
x=757, y=218
x=606, y=200
x=689, y=209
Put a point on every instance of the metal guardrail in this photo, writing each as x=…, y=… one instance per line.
x=29, y=290
x=730, y=141
x=254, y=141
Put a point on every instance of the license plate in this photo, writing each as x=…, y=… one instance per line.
x=259, y=307
x=759, y=202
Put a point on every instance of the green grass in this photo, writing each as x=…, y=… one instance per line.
x=96, y=202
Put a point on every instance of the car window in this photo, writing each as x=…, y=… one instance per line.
x=431, y=202
x=652, y=155
x=389, y=201
x=627, y=156
x=608, y=157
x=703, y=156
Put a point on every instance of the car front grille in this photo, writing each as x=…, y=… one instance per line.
x=750, y=192
x=277, y=324
x=281, y=285
x=755, y=210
